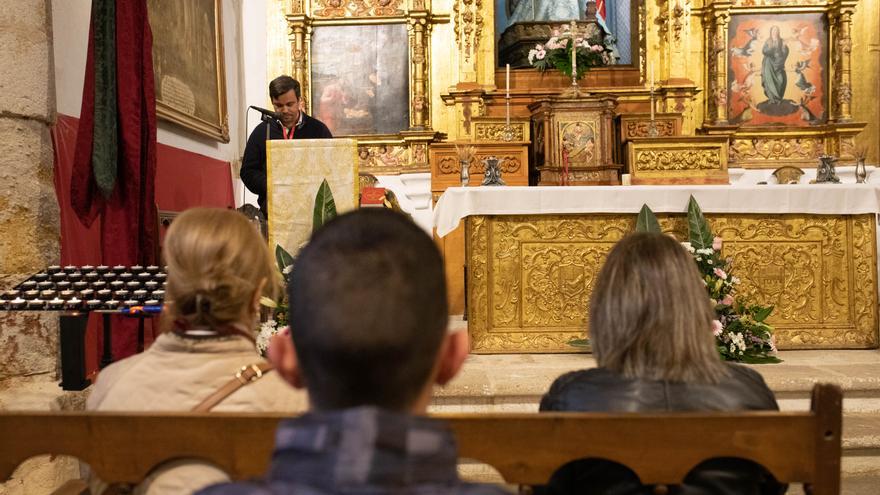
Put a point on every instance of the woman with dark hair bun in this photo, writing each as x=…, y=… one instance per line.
x=651, y=332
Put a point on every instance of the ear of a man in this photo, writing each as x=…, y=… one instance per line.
x=452, y=355
x=282, y=355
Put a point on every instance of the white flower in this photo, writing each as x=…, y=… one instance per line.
x=267, y=330
x=540, y=55
x=687, y=245
x=734, y=280
x=552, y=43
x=532, y=54
x=563, y=42
x=709, y=261
x=287, y=269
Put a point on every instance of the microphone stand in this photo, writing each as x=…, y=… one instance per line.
x=268, y=120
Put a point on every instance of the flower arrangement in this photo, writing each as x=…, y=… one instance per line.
x=324, y=211
x=741, y=331
x=557, y=52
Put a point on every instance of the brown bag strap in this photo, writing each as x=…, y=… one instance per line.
x=247, y=374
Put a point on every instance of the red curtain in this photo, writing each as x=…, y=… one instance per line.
x=128, y=227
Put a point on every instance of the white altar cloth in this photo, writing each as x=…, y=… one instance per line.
x=820, y=199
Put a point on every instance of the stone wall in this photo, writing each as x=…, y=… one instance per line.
x=29, y=219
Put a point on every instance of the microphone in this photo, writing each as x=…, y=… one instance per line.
x=267, y=113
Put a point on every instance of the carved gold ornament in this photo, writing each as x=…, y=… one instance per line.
x=806, y=148
x=678, y=160
x=358, y=8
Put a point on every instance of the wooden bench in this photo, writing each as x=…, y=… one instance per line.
x=526, y=449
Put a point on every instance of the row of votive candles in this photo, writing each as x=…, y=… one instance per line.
x=88, y=287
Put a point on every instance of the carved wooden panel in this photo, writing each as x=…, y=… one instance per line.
x=446, y=170
x=530, y=277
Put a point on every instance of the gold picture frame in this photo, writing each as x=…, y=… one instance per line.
x=188, y=64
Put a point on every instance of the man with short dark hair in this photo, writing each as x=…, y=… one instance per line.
x=369, y=340
x=294, y=124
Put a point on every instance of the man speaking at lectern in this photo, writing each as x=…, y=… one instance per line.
x=291, y=123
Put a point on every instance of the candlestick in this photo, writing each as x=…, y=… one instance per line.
x=652, y=101
x=507, y=81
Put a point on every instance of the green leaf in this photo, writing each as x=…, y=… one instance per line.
x=765, y=359
x=282, y=258
x=325, y=206
x=699, y=233
x=761, y=313
x=647, y=221
x=580, y=343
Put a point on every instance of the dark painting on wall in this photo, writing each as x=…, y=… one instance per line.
x=360, y=78
x=188, y=65
x=777, y=69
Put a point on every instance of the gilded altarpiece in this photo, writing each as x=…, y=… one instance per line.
x=530, y=277
x=779, y=80
x=359, y=95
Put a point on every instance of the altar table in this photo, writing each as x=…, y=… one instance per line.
x=532, y=254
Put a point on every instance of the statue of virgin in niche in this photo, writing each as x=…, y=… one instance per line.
x=545, y=10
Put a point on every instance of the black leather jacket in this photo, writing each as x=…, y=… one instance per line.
x=600, y=390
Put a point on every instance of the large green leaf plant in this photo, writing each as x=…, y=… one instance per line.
x=740, y=328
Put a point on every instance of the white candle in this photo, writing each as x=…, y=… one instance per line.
x=652, y=92
x=574, y=63
x=507, y=81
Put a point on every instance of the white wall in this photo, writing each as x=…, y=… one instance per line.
x=255, y=83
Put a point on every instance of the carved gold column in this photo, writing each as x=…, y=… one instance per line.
x=300, y=35
x=840, y=18
x=716, y=26
x=419, y=28
x=468, y=27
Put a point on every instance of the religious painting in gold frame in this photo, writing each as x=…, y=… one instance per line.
x=188, y=65
x=360, y=78
x=778, y=69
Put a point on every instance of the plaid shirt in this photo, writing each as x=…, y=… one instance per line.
x=361, y=450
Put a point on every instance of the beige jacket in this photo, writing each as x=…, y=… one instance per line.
x=176, y=374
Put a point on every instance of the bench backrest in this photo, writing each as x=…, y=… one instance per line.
x=525, y=448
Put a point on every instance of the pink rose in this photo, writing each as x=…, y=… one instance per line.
x=716, y=244
x=727, y=300
x=596, y=48
x=720, y=274
x=563, y=42
x=540, y=55
x=716, y=328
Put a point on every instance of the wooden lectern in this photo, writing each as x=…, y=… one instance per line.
x=294, y=171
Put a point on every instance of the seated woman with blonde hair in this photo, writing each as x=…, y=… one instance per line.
x=218, y=268
x=651, y=332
